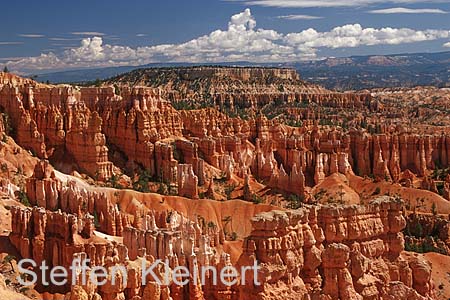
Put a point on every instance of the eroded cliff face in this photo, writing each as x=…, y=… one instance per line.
x=315, y=252
x=46, y=191
x=60, y=238
x=69, y=125
x=57, y=123
x=427, y=233
x=334, y=252
x=325, y=252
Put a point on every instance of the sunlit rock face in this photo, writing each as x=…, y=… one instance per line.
x=334, y=252
x=99, y=130
x=108, y=138
x=338, y=252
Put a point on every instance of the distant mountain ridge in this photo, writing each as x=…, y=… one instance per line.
x=363, y=72
x=347, y=73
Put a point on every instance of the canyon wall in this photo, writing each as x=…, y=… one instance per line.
x=334, y=252
x=59, y=238
x=144, y=131
x=318, y=252
x=45, y=190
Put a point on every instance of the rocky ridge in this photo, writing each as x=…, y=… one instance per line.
x=236, y=87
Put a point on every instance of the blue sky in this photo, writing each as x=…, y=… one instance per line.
x=55, y=35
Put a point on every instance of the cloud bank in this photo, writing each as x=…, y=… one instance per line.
x=241, y=41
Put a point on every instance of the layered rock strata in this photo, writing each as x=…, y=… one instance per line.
x=142, y=130
x=334, y=252
x=320, y=252
x=46, y=191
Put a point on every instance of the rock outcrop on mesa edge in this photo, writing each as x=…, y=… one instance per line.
x=334, y=252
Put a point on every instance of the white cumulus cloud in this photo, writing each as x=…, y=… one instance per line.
x=241, y=41
x=355, y=35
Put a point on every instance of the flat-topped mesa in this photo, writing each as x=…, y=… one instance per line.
x=245, y=74
x=343, y=252
x=243, y=87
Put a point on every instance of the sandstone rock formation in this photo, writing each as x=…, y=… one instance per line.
x=427, y=233
x=187, y=182
x=120, y=135
x=82, y=125
x=358, y=248
x=59, y=238
x=46, y=191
